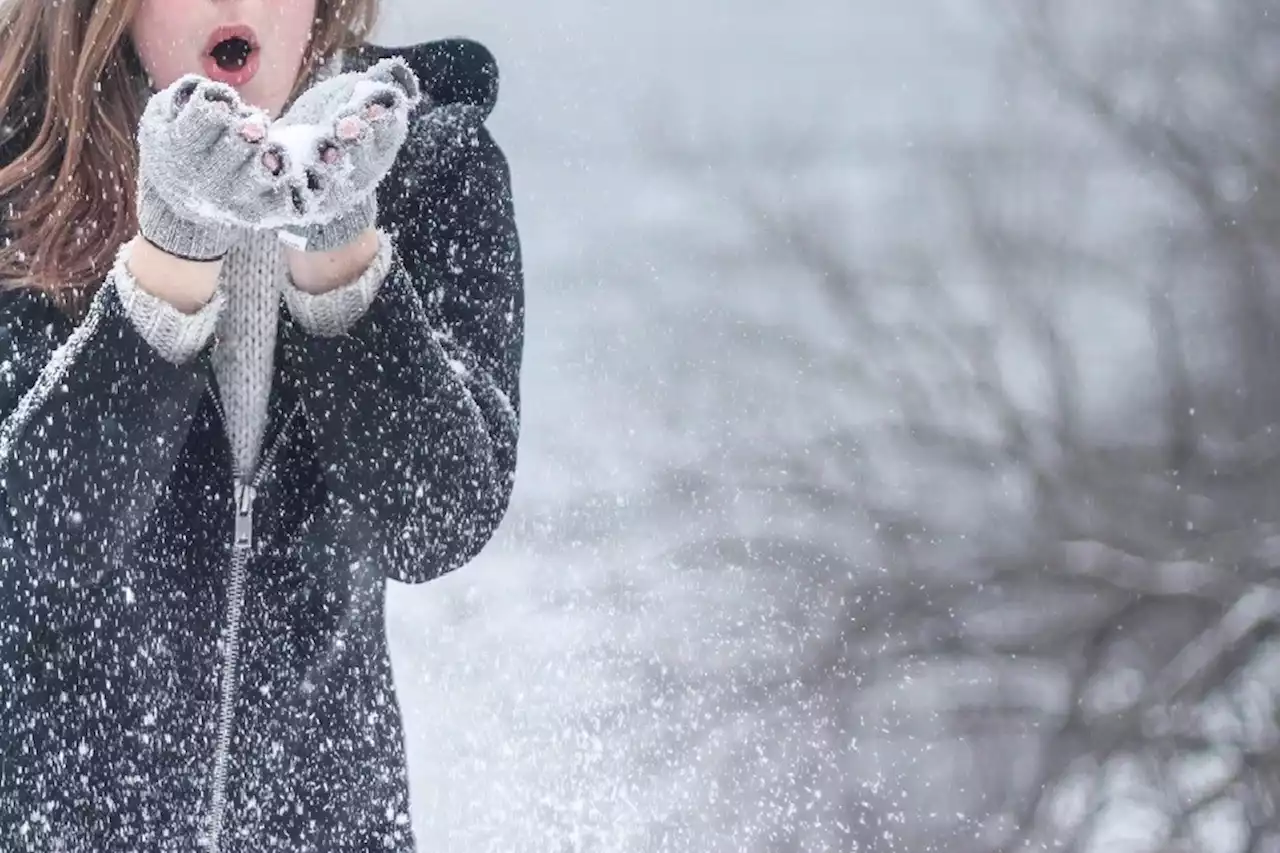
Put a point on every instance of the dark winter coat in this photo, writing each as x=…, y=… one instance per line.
x=138, y=641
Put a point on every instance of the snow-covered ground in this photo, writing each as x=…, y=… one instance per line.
x=537, y=682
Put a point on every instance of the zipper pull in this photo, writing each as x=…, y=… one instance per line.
x=245, y=493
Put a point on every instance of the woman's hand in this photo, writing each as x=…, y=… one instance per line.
x=201, y=175
x=333, y=147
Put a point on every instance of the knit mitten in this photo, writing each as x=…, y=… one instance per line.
x=334, y=146
x=201, y=176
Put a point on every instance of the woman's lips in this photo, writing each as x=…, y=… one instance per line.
x=236, y=76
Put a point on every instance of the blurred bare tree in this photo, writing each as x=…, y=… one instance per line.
x=1062, y=572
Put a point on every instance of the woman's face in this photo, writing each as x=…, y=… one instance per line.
x=255, y=46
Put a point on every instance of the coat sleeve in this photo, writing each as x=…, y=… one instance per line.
x=415, y=406
x=92, y=420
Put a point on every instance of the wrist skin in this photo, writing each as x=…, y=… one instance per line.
x=321, y=272
x=186, y=285
x=189, y=285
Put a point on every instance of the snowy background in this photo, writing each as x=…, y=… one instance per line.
x=526, y=677
x=657, y=652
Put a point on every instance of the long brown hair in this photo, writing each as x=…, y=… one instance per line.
x=70, y=101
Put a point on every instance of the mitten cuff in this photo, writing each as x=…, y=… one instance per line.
x=204, y=241
x=335, y=234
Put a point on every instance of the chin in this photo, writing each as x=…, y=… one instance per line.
x=270, y=102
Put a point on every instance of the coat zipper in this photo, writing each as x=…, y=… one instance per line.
x=243, y=495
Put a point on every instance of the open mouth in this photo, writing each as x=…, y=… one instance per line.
x=231, y=55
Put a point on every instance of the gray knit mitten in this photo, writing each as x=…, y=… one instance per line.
x=201, y=176
x=334, y=145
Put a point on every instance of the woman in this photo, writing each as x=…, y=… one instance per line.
x=254, y=360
